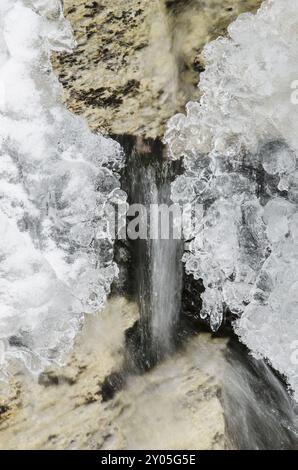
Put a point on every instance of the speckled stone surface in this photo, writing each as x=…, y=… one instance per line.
x=174, y=406
x=138, y=61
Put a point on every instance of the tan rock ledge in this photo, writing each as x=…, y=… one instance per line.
x=174, y=406
x=138, y=61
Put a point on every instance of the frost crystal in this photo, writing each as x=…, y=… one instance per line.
x=240, y=148
x=53, y=174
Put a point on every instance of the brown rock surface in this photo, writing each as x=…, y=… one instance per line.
x=174, y=406
x=138, y=61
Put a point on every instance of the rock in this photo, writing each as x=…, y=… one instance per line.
x=175, y=405
x=65, y=409
x=138, y=61
x=10, y=400
x=65, y=402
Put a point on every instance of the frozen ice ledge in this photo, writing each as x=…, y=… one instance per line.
x=240, y=148
x=54, y=176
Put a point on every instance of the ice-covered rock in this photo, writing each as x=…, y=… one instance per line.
x=53, y=174
x=240, y=148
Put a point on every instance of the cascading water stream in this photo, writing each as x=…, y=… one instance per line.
x=166, y=279
x=266, y=416
x=157, y=258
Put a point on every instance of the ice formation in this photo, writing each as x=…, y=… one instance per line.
x=54, y=177
x=240, y=148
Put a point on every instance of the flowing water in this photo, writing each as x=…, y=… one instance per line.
x=258, y=410
x=166, y=270
x=157, y=262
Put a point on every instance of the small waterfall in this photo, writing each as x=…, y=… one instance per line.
x=166, y=270
x=158, y=272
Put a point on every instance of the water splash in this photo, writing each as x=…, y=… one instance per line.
x=157, y=257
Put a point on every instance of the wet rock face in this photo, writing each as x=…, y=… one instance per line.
x=138, y=61
x=121, y=67
x=68, y=407
x=62, y=409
